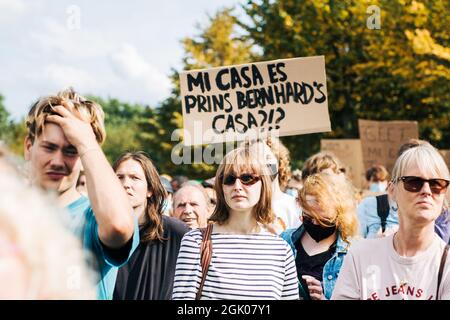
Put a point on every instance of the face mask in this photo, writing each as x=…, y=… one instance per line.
x=317, y=231
x=292, y=192
x=378, y=186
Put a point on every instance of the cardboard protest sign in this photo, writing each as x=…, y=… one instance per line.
x=380, y=140
x=446, y=156
x=349, y=151
x=280, y=97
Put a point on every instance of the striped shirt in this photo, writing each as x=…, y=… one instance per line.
x=243, y=267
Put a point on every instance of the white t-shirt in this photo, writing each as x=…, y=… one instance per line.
x=373, y=270
x=287, y=212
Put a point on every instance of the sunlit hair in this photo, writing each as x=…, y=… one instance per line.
x=32, y=232
x=377, y=173
x=282, y=155
x=152, y=229
x=319, y=162
x=42, y=108
x=236, y=162
x=411, y=143
x=333, y=195
x=427, y=159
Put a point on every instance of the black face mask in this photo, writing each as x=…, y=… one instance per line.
x=317, y=231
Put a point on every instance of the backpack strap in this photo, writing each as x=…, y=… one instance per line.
x=441, y=268
x=383, y=209
x=205, y=256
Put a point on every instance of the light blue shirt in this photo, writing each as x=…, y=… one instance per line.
x=370, y=222
x=83, y=224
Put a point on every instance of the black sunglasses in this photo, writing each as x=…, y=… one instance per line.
x=247, y=179
x=415, y=184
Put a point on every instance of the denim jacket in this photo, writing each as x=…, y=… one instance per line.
x=331, y=267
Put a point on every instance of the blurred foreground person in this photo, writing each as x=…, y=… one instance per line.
x=39, y=257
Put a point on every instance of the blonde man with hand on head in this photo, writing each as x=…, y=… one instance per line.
x=64, y=132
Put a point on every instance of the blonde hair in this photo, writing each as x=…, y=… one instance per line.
x=319, y=162
x=42, y=108
x=52, y=257
x=282, y=154
x=237, y=161
x=334, y=195
x=426, y=157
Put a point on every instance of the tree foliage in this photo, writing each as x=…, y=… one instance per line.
x=400, y=71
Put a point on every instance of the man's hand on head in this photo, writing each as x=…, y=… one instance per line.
x=76, y=126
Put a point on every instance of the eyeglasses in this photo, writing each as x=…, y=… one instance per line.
x=247, y=179
x=415, y=184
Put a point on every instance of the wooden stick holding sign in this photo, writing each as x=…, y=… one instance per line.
x=281, y=97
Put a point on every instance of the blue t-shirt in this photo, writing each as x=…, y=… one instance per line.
x=370, y=222
x=83, y=224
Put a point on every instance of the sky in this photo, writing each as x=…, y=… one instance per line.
x=119, y=49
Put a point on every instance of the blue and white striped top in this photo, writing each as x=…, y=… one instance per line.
x=243, y=267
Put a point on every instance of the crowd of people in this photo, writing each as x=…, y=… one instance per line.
x=73, y=226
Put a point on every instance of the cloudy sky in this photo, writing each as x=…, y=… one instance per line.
x=121, y=49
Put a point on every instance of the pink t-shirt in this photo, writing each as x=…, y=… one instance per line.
x=373, y=270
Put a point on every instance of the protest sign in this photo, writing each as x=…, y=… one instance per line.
x=446, y=156
x=280, y=97
x=349, y=152
x=380, y=140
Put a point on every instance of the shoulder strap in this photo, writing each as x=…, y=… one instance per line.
x=205, y=256
x=441, y=268
x=383, y=209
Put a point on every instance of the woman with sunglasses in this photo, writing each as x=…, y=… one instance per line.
x=321, y=242
x=412, y=263
x=248, y=262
